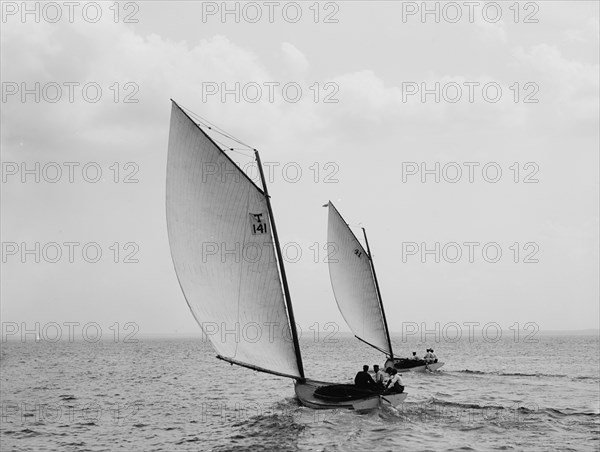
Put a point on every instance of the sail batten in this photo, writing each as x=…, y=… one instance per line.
x=222, y=247
x=353, y=284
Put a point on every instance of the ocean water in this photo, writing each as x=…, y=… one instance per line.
x=173, y=395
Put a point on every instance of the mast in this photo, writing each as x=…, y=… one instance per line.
x=387, y=331
x=288, y=300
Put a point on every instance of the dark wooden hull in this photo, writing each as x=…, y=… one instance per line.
x=412, y=366
x=305, y=392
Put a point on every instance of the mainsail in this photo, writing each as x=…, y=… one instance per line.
x=355, y=286
x=221, y=239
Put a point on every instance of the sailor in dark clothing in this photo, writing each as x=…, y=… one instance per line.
x=363, y=379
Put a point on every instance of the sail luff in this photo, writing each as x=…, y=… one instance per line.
x=286, y=290
x=385, y=324
x=217, y=146
x=348, y=228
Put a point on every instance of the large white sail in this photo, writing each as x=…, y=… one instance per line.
x=354, y=286
x=222, y=247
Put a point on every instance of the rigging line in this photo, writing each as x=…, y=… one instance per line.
x=215, y=128
x=228, y=149
x=226, y=135
x=238, y=151
x=225, y=146
x=359, y=225
x=197, y=116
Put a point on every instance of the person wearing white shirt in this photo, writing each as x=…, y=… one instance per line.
x=386, y=376
x=379, y=376
x=434, y=357
x=428, y=357
x=394, y=383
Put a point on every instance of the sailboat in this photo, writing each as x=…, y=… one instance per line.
x=228, y=261
x=357, y=293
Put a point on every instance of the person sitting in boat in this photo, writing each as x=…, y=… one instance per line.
x=379, y=377
x=428, y=357
x=386, y=376
x=415, y=357
x=394, y=383
x=363, y=379
x=434, y=358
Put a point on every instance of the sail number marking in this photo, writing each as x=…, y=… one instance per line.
x=258, y=225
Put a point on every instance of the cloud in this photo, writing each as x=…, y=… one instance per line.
x=160, y=68
x=570, y=86
x=295, y=59
x=369, y=132
x=590, y=32
x=491, y=31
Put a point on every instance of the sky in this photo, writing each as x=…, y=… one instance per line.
x=464, y=139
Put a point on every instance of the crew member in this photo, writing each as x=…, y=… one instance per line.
x=379, y=376
x=394, y=384
x=434, y=358
x=363, y=379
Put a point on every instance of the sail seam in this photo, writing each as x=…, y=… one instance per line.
x=241, y=276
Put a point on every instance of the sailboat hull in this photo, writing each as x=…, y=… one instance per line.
x=405, y=366
x=305, y=391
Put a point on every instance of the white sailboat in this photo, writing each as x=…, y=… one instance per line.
x=228, y=261
x=357, y=293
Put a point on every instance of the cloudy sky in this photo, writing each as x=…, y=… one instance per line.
x=452, y=135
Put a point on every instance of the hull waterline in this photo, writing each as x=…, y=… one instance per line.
x=305, y=391
x=422, y=368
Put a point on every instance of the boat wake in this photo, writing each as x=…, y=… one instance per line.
x=518, y=374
